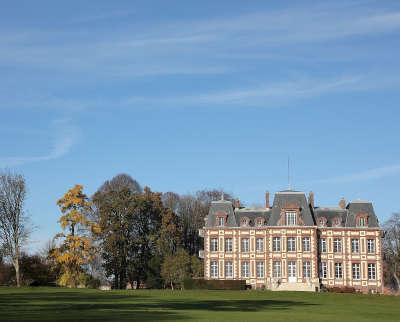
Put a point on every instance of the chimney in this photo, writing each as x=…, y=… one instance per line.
x=267, y=199
x=237, y=203
x=342, y=203
x=311, y=199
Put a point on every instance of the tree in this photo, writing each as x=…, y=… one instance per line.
x=14, y=230
x=391, y=251
x=170, y=236
x=176, y=268
x=76, y=248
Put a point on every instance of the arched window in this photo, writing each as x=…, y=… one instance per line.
x=362, y=220
x=244, y=221
x=336, y=222
x=259, y=222
x=322, y=222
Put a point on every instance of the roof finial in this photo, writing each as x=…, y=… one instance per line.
x=222, y=195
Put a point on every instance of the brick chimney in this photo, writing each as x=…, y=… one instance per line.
x=311, y=199
x=342, y=203
x=267, y=200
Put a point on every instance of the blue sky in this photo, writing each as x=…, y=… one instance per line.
x=190, y=95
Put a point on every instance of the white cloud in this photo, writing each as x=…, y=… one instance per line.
x=64, y=139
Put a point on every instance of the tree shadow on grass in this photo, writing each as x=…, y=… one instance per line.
x=98, y=306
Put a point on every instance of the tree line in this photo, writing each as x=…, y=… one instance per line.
x=124, y=235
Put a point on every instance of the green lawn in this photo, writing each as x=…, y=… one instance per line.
x=56, y=304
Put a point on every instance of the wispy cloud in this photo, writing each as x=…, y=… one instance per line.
x=64, y=138
x=371, y=174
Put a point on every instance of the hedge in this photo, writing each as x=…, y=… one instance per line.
x=202, y=284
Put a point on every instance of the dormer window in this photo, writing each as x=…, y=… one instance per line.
x=336, y=222
x=221, y=221
x=362, y=221
x=291, y=218
x=322, y=222
x=260, y=222
x=244, y=222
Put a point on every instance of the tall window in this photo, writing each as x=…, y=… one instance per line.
x=371, y=271
x=323, y=270
x=322, y=245
x=260, y=222
x=245, y=269
x=355, y=246
x=228, y=244
x=260, y=244
x=214, y=269
x=362, y=222
x=228, y=269
x=276, y=244
x=245, y=245
x=213, y=244
x=276, y=269
x=291, y=244
x=244, y=221
x=338, y=271
x=291, y=217
x=291, y=269
x=260, y=269
x=306, y=244
x=371, y=246
x=306, y=269
x=356, y=270
x=221, y=221
x=337, y=245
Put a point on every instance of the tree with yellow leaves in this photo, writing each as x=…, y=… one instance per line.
x=75, y=248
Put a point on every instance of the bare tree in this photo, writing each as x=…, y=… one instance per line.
x=13, y=220
x=391, y=251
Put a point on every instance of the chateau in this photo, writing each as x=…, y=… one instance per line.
x=294, y=245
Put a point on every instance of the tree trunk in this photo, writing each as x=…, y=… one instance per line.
x=172, y=286
x=17, y=276
x=397, y=281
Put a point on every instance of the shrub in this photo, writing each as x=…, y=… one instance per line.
x=202, y=284
x=343, y=289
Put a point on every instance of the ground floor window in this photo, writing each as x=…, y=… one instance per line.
x=356, y=270
x=214, y=269
x=228, y=269
x=306, y=269
x=260, y=269
x=291, y=269
x=371, y=271
x=276, y=269
x=323, y=270
x=338, y=271
x=245, y=269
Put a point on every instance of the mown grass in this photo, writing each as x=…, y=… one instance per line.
x=57, y=304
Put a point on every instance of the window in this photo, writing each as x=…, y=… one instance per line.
x=291, y=244
x=245, y=245
x=356, y=269
x=323, y=270
x=260, y=269
x=338, y=271
x=371, y=245
x=214, y=269
x=362, y=221
x=245, y=269
x=213, y=244
x=260, y=244
x=306, y=269
x=371, y=271
x=244, y=221
x=228, y=269
x=355, y=245
x=337, y=245
x=322, y=245
x=322, y=222
x=276, y=269
x=221, y=221
x=228, y=244
x=291, y=269
x=276, y=244
x=291, y=217
x=260, y=222
x=306, y=244
x=336, y=222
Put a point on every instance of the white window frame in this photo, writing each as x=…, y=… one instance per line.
x=245, y=245
x=356, y=271
x=276, y=244
x=214, y=269
x=355, y=245
x=291, y=218
x=213, y=244
x=322, y=245
x=260, y=269
x=245, y=269
x=371, y=246
x=371, y=271
x=362, y=222
x=307, y=269
x=338, y=270
x=228, y=269
x=277, y=269
x=292, y=271
x=337, y=245
x=291, y=244
x=323, y=272
x=259, y=245
x=221, y=221
x=228, y=245
x=306, y=244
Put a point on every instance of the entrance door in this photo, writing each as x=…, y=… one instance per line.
x=292, y=271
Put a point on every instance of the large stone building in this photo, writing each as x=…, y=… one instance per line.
x=294, y=245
